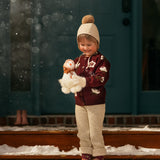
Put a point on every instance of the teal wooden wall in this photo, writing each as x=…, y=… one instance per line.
x=4, y=57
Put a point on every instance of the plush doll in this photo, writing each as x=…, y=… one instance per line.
x=70, y=81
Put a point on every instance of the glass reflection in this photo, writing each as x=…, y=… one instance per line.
x=20, y=32
x=151, y=45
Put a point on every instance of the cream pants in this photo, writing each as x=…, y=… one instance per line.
x=90, y=123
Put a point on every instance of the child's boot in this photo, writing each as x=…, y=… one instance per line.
x=86, y=157
x=18, y=118
x=24, y=118
x=98, y=158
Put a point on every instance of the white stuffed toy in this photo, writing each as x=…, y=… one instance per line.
x=70, y=81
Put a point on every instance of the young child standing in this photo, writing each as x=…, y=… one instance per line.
x=92, y=69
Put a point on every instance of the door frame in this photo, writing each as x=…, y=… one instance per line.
x=136, y=53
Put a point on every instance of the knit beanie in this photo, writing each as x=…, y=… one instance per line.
x=88, y=27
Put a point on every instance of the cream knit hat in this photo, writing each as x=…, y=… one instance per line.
x=88, y=27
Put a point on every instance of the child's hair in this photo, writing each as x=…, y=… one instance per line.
x=88, y=37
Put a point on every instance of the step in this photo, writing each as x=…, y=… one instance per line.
x=66, y=139
x=108, y=157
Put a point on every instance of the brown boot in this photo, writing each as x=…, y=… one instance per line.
x=24, y=118
x=86, y=157
x=18, y=118
x=98, y=158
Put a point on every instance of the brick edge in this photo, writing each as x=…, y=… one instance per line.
x=69, y=120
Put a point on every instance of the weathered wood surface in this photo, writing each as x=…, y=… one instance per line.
x=65, y=140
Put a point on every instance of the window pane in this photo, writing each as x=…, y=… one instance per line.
x=20, y=11
x=151, y=45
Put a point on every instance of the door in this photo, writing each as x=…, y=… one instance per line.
x=150, y=58
x=56, y=32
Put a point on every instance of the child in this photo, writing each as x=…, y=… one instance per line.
x=92, y=69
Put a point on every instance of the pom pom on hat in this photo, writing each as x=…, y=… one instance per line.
x=88, y=19
x=88, y=27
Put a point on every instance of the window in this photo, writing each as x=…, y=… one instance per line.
x=20, y=35
x=151, y=45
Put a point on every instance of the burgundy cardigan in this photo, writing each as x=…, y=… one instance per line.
x=96, y=71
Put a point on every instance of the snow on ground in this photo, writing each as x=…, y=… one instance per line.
x=52, y=150
x=35, y=150
x=50, y=128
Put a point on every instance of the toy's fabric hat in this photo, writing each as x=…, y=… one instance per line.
x=88, y=27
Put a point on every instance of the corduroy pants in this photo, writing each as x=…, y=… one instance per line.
x=90, y=124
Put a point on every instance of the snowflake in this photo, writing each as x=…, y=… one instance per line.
x=92, y=64
x=96, y=91
x=104, y=69
x=102, y=57
x=102, y=79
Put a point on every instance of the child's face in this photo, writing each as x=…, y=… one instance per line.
x=88, y=47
